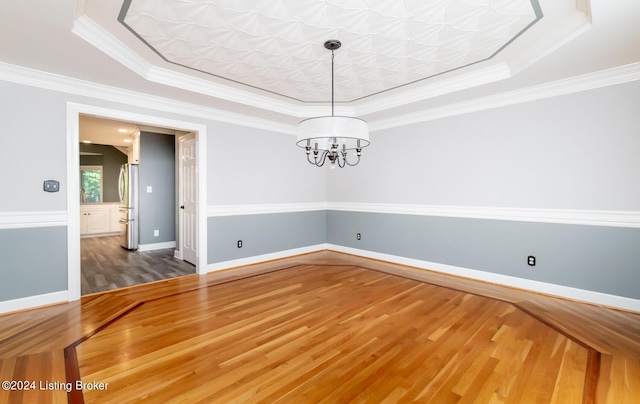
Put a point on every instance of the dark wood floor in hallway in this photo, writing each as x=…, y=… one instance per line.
x=106, y=265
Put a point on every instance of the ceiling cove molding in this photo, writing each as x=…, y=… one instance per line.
x=205, y=87
x=94, y=34
x=611, y=218
x=578, y=23
x=87, y=29
x=490, y=74
x=237, y=210
x=585, y=82
x=49, y=81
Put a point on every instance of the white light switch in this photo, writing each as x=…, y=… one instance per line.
x=148, y=189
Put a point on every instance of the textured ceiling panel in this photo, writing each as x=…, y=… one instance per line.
x=277, y=45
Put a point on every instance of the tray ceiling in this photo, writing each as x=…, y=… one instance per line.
x=277, y=45
x=266, y=57
x=81, y=45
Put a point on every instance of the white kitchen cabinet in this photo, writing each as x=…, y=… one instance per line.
x=134, y=154
x=99, y=219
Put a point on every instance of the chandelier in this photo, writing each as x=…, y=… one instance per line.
x=339, y=139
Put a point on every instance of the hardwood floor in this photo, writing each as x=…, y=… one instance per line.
x=324, y=327
x=106, y=265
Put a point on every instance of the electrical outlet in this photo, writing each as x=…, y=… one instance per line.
x=531, y=260
x=156, y=233
x=239, y=243
x=358, y=236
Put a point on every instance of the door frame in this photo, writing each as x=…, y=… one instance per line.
x=74, y=110
x=179, y=254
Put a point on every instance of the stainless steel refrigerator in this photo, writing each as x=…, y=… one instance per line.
x=128, y=188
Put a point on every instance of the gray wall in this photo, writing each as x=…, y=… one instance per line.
x=596, y=258
x=110, y=159
x=277, y=171
x=33, y=126
x=263, y=234
x=157, y=169
x=34, y=261
x=248, y=166
x=576, y=151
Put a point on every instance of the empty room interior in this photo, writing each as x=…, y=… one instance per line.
x=305, y=201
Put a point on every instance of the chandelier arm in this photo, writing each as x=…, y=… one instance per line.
x=314, y=161
x=354, y=164
x=322, y=159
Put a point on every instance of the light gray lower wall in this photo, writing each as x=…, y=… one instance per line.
x=263, y=234
x=595, y=258
x=34, y=262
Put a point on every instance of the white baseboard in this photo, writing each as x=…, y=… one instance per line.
x=100, y=235
x=587, y=296
x=217, y=266
x=156, y=246
x=34, y=301
x=177, y=254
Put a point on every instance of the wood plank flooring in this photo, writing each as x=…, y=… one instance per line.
x=325, y=327
x=106, y=265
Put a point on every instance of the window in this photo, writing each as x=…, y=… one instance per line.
x=90, y=184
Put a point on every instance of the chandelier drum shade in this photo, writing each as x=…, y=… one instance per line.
x=333, y=138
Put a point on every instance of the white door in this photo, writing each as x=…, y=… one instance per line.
x=188, y=189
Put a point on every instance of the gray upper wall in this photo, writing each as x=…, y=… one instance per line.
x=577, y=151
x=245, y=165
x=157, y=209
x=33, y=125
x=248, y=167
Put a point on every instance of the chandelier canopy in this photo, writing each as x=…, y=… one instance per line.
x=336, y=138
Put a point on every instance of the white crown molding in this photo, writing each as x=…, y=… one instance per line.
x=564, y=216
x=544, y=288
x=589, y=81
x=35, y=78
x=33, y=301
x=49, y=81
x=206, y=87
x=237, y=210
x=553, y=39
x=97, y=36
x=20, y=220
x=486, y=75
x=87, y=29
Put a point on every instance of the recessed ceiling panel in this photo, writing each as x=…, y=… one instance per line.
x=277, y=45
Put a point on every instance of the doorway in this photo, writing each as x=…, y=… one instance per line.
x=198, y=131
